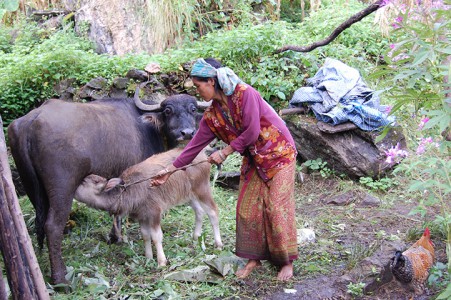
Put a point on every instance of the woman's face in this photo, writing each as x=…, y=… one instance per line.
x=206, y=89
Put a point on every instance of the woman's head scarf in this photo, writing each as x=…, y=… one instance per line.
x=226, y=77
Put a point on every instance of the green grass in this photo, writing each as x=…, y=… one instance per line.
x=92, y=262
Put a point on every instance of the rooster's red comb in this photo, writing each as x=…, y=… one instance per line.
x=427, y=232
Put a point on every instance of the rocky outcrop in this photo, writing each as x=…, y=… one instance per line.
x=353, y=152
x=159, y=86
x=115, y=27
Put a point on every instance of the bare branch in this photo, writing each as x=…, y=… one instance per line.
x=353, y=19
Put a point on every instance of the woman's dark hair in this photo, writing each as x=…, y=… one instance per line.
x=215, y=64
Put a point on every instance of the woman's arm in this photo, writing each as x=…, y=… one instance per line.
x=200, y=140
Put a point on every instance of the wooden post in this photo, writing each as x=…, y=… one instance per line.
x=24, y=275
x=3, y=294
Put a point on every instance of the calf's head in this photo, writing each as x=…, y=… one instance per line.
x=94, y=186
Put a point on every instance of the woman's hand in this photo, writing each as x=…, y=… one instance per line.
x=162, y=176
x=218, y=157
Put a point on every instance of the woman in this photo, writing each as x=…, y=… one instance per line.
x=265, y=216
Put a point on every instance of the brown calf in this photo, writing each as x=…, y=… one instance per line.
x=132, y=195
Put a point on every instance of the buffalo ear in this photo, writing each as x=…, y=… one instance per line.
x=112, y=183
x=154, y=118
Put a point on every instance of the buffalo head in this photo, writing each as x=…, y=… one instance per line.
x=176, y=116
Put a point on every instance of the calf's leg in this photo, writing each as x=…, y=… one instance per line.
x=157, y=237
x=151, y=231
x=209, y=206
x=145, y=231
x=115, y=236
x=199, y=214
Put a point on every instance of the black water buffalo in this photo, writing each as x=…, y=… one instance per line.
x=58, y=144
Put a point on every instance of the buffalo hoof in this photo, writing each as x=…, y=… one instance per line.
x=61, y=285
x=63, y=288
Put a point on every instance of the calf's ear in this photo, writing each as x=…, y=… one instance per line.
x=112, y=183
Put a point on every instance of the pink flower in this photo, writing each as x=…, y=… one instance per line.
x=422, y=123
x=428, y=140
x=424, y=142
x=398, y=22
x=421, y=149
x=388, y=109
x=395, y=154
x=392, y=46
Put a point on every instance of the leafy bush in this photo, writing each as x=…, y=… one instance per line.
x=415, y=74
x=38, y=61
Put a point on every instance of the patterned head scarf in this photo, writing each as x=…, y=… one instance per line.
x=226, y=77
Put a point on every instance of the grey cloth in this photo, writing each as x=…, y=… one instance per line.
x=337, y=94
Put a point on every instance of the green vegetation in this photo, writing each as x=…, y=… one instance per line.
x=356, y=289
x=417, y=66
x=381, y=184
x=318, y=165
x=34, y=61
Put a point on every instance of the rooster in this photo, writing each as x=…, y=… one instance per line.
x=412, y=266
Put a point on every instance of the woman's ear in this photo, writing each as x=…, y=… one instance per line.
x=211, y=81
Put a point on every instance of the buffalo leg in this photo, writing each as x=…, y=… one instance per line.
x=54, y=227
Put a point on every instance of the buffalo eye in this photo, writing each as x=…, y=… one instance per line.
x=167, y=111
x=193, y=108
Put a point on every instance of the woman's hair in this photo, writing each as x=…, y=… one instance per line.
x=215, y=64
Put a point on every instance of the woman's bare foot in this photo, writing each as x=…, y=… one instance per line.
x=286, y=272
x=251, y=264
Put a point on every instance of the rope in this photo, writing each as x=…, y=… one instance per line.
x=125, y=186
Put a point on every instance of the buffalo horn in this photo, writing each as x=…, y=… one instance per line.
x=141, y=105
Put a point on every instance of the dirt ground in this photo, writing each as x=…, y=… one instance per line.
x=354, y=241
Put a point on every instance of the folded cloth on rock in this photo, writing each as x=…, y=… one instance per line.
x=338, y=94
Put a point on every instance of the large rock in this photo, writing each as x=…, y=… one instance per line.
x=353, y=152
x=116, y=27
x=127, y=27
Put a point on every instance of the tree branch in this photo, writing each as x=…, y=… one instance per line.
x=353, y=19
